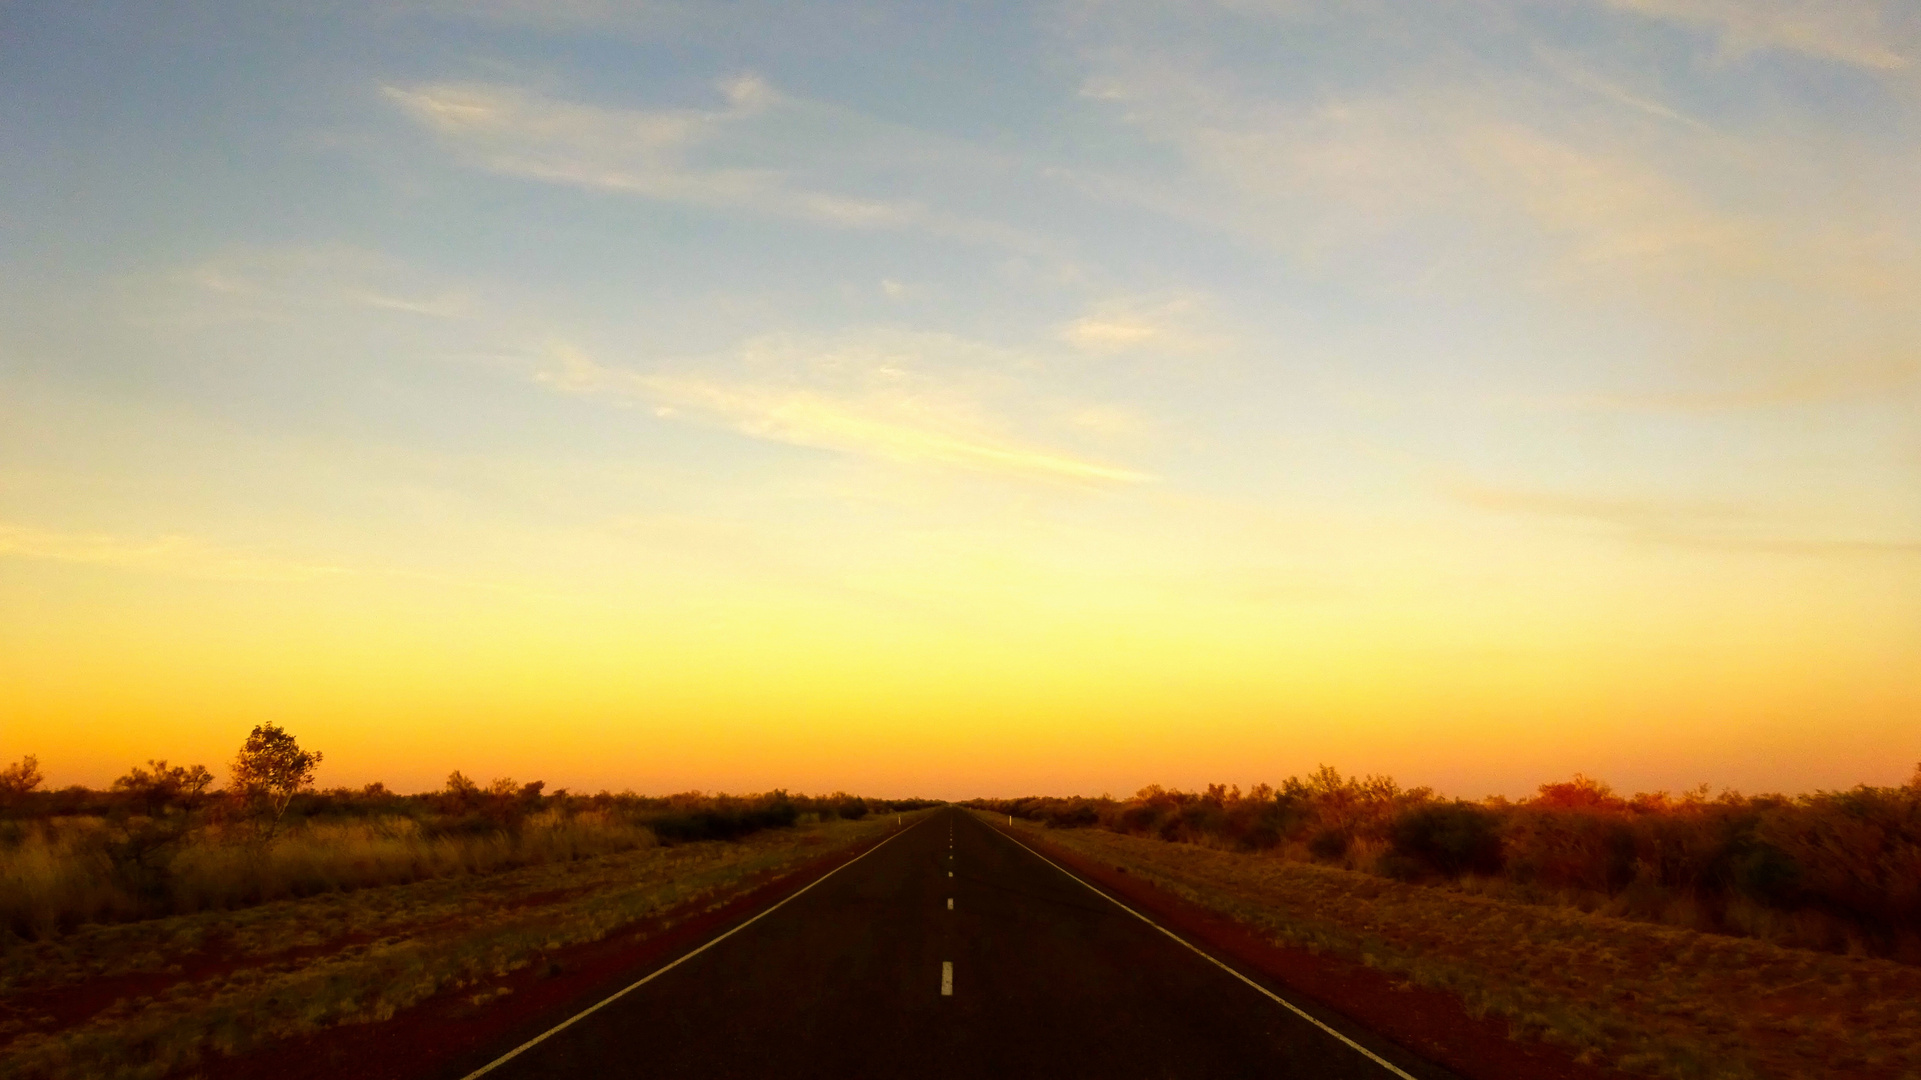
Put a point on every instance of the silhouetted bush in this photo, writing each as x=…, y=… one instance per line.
x=1077, y=815
x=1832, y=870
x=849, y=807
x=159, y=843
x=1328, y=845
x=1449, y=838
x=725, y=822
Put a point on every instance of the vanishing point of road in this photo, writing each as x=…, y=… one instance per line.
x=951, y=950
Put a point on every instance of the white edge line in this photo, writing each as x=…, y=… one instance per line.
x=1290, y=1006
x=623, y=992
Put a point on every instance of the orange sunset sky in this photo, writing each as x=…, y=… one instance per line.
x=1030, y=398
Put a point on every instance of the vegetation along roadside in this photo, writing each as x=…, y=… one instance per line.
x=1631, y=996
x=157, y=928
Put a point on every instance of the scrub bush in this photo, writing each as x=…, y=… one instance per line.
x=1833, y=870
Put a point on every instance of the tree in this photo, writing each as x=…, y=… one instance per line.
x=462, y=795
x=1580, y=793
x=271, y=770
x=18, y=779
x=158, y=786
x=155, y=816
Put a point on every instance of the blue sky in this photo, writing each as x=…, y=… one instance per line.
x=1411, y=371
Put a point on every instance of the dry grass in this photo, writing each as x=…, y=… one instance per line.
x=58, y=873
x=1832, y=870
x=1638, y=997
x=143, y=999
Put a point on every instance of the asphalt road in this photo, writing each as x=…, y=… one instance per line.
x=1026, y=973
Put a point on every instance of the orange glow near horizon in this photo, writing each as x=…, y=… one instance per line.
x=1049, y=693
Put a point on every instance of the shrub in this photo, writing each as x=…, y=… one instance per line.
x=1760, y=870
x=1139, y=819
x=18, y=780
x=1590, y=850
x=158, y=787
x=1449, y=838
x=1836, y=869
x=1328, y=845
x=1078, y=815
x=727, y=821
x=79, y=856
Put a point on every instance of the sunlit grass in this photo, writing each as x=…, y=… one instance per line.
x=232, y=980
x=61, y=872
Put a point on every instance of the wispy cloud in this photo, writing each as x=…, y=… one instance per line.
x=1348, y=172
x=1580, y=76
x=1108, y=420
x=858, y=401
x=1697, y=523
x=1496, y=183
x=1893, y=376
x=267, y=284
x=756, y=151
x=1849, y=31
x=168, y=554
x=1134, y=323
x=1638, y=513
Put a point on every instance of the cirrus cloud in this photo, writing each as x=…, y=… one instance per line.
x=859, y=399
x=166, y=554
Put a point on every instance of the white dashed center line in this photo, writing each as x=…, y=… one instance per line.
x=950, y=903
x=947, y=978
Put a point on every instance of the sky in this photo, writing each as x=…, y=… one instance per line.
x=965, y=399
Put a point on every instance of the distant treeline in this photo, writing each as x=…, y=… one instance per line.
x=461, y=807
x=1836, y=870
x=161, y=841
x=466, y=807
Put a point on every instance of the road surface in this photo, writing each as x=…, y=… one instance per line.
x=952, y=951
